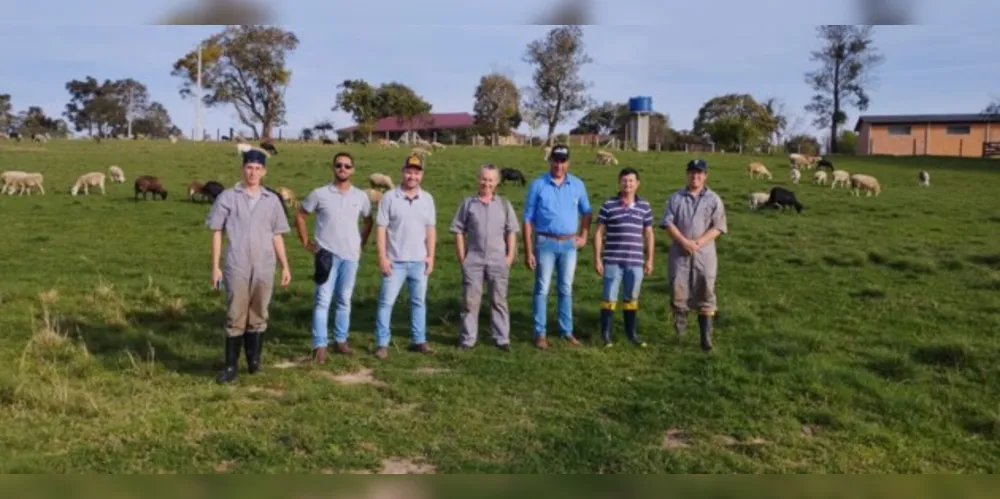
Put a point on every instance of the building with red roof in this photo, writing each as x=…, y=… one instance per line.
x=427, y=125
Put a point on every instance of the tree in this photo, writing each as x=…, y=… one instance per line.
x=776, y=109
x=153, y=120
x=358, y=98
x=735, y=121
x=603, y=119
x=133, y=98
x=847, y=60
x=35, y=121
x=399, y=100
x=802, y=144
x=6, y=112
x=307, y=134
x=243, y=66
x=92, y=106
x=558, y=90
x=496, y=108
x=848, y=142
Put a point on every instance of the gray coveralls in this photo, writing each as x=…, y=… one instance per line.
x=486, y=226
x=250, y=225
x=692, y=277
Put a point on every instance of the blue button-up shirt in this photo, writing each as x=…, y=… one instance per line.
x=555, y=209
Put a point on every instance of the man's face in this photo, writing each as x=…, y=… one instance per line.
x=558, y=167
x=628, y=184
x=412, y=177
x=696, y=178
x=343, y=168
x=253, y=173
x=488, y=180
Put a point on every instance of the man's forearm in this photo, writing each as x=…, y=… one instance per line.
x=585, y=225
x=380, y=241
x=301, y=229
x=708, y=236
x=366, y=231
x=431, y=242
x=216, y=248
x=650, y=244
x=511, y=245
x=279, y=250
x=528, y=238
x=675, y=234
x=460, y=246
x=598, y=242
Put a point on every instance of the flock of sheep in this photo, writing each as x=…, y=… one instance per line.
x=780, y=197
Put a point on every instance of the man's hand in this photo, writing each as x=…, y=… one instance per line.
x=312, y=247
x=599, y=267
x=689, y=246
x=579, y=241
x=509, y=259
x=286, y=277
x=216, y=276
x=529, y=261
x=385, y=265
x=648, y=267
x=429, y=262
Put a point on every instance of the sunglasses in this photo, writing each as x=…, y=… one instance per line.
x=343, y=166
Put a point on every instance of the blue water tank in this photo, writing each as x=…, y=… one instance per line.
x=640, y=105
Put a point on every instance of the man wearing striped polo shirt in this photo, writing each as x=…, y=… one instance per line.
x=626, y=220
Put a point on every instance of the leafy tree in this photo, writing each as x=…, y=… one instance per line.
x=243, y=66
x=558, y=90
x=35, y=121
x=306, y=134
x=496, y=108
x=603, y=119
x=154, y=121
x=847, y=59
x=802, y=144
x=6, y=112
x=735, y=121
x=848, y=142
x=399, y=100
x=133, y=100
x=776, y=109
x=358, y=98
x=92, y=106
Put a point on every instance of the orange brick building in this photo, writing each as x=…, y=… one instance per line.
x=967, y=135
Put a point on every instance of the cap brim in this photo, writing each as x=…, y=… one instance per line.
x=559, y=157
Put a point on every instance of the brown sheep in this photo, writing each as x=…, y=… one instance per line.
x=146, y=184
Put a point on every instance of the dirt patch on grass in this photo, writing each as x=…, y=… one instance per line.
x=676, y=438
x=430, y=371
x=362, y=376
x=224, y=466
x=286, y=364
x=398, y=466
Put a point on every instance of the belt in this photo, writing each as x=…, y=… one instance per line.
x=557, y=237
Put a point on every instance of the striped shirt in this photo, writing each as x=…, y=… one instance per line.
x=624, y=227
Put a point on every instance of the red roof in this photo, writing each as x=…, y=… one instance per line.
x=433, y=121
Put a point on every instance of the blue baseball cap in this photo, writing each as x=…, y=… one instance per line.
x=255, y=156
x=697, y=165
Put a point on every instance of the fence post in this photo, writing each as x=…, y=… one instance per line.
x=961, y=142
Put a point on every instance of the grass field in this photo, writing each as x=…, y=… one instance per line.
x=858, y=336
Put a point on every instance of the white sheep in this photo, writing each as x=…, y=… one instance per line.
x=867, y=183
x=87, y=180
x=606, y=158
x=759, y=169
x=548, y=150
x=819, y=177
x=7, y=178
x=797, y=160
x=840, y=177
x=117, y=175
x=924, y=178
x=374, y=196
x=795, y=175
x=243, y=148
x=437, y=145
x=380, y=180
x=420, y=151
x=25, y=182
x=758, y=199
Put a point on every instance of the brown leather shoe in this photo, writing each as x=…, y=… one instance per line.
x=571, y=340
x=319, y=355
x=382, y=352
x=541, y=342
x=421, y=348
x=343, y=348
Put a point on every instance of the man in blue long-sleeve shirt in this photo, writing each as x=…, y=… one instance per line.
x=553, y=232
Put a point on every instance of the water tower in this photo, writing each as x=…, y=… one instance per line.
x=639, y=109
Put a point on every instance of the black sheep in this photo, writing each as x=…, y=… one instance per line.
x=211, y=190
x=781, y=197
x=825, y=163
x=269, y=147
x=513, y=175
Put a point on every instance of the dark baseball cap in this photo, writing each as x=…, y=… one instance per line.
x=559, y=153
x=414, y=161
x=698, y=165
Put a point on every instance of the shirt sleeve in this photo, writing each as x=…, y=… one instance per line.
x=366, y=206
x=668, y=213
x=310, y=203
x=510, y=224
x=647, y=219
x=217, y=216
x=431, y=213
x=382, y=217
x=530, y=202
x=458, y=223
x=280, y=223
x=602, y=215
x=584, y=205
x=719, y=221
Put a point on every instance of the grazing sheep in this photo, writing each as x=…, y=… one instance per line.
x=758, y=199
x=117, y=175
x=825, y=163
x=24, y=183
x=548, y=150
x=194, y=189
x=211, y=190
x=759, y=169
x=147, y=184
x=327, y=141
x=380, y=180
x=867, y=183
x=173, y=140
x=382, y=143
x=840, y=177
x=801, y=161
x=242, y=148
x=7, y=178
x=795, y=175
x=606, y=158
x=782, y=198
x=420, y=151
x=924, y=178
x=374, y=196
x=288, y=196
x=512, y=174
x=87, y=180
x=437, y=145
x=269, y=147
x=819, y=177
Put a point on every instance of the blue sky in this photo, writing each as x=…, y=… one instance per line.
x=684, y=60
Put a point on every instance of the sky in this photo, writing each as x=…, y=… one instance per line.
x=681, y=55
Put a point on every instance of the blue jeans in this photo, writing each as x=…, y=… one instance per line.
x=339, y=285
x=616, y=275
x=552, y=254
x=392, y=284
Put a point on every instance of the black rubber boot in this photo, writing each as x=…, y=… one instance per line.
x=607, y=316
x=705, y=325
x=233, y=345
x=252, y=342
x=632, y=326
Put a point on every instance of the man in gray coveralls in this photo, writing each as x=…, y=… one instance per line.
x=694, y=217
x=488, y=224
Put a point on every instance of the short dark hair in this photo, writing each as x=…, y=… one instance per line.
x=343, y=154
x=628, y=171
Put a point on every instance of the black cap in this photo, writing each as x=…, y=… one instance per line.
x=560, y=153
x=698, y=165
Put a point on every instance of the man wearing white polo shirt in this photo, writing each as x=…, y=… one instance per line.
x=405, y=233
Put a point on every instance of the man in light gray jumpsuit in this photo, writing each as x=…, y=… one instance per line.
x=489, y=224
x=253, y=219
x=694, y=217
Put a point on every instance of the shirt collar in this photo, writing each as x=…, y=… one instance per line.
x=566, y=181
x=399, y=193
x=241, y=189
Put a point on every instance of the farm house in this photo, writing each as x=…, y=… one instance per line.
x=966, y=135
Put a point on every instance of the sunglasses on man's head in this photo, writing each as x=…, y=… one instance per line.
x=343, y=166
